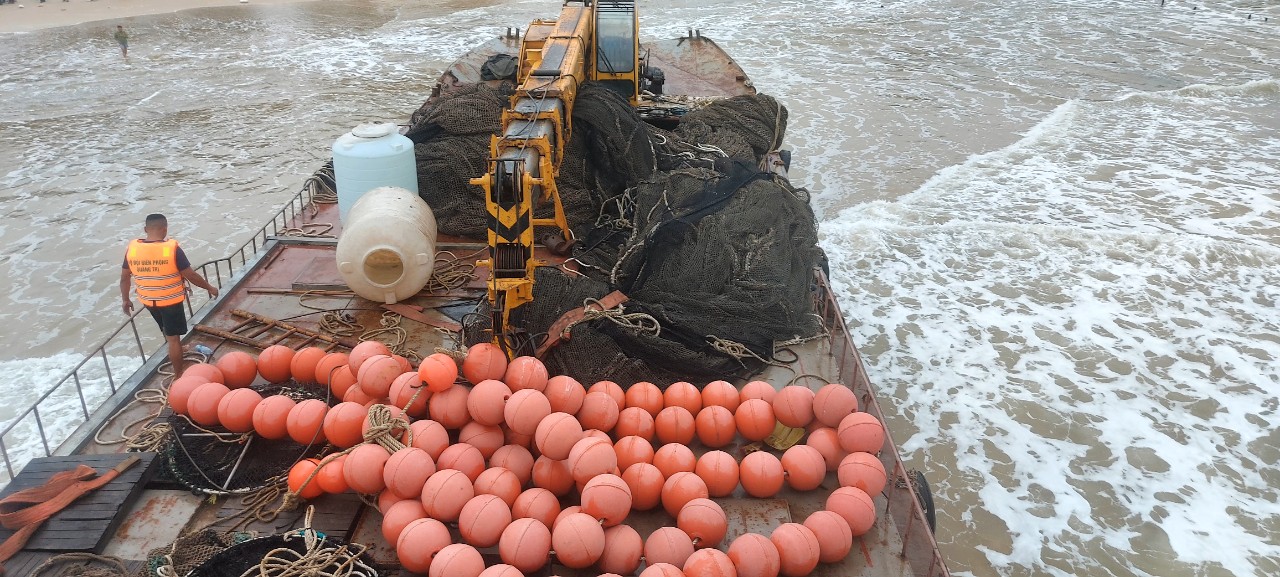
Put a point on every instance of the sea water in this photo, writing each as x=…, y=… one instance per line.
x=1052, y=226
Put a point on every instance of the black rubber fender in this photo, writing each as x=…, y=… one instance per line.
x=925, y=494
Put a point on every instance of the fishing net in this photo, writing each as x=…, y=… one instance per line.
x=188, y=552
x=715, y=254
x=215, y=462
x=302, y=552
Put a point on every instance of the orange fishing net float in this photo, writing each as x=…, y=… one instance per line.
x=856, y=506
x=634, y=421
x=483, y=519
x=599, y=411
x=552, y=475
x=715, y=426
x=235, y=410
x=364, y=351
x=675, y=425
x=305, y=422
x=668, y=545
x=398, y=516
x=622, y=550
x=556, y=434
x=864, y=471
x=501, y=570
x=274, y=363
x=565, y=394
x=537, y=503
x=719, y=470
x=331, y=477
x=525, y=409
x=614, y=390
x=797, y=549
x=516, y=459
x=209, y=372
x=408, y=387
x=761, y=474
x=674, y=458
x=407, y=471
x=429, y=436
x=645, y=482
x=662, y=570
x=376, y=375
x=484, y=438
x=827, y=442
x=180, y=391
x=445, y=493
x=681, y=488
x=589, y=457
x=578, y=541
x=457, y=560
x=526, y=373
x=644, y=395
x=607, y=498
x=363, y=469
x=298, y=474
x=487, y=400
x=754, y=555
x=804, y=466
x=326, y=366
x=835, y=539
x=793, y=406
x=631, y=450
x=271, y=416
x=462, y=457
x=861, y=432
x=449, y=407
x=755, y=419
x=302, y=367
x=709, y=563
x=438, y=371
x=684, y=395
x=721, y=394
x=239, y=369
x=525, y=544
x=342, y=424
x=342, y=383
x=704, y=521
x=499, y=482
x=202, y=405
x=419, y=542
x=833, y=403
x=484, y=361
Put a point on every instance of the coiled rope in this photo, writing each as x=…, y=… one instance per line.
x=318, y=560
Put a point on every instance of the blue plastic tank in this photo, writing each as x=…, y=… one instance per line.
x=371, y=156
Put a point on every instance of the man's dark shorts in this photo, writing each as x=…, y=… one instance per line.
x=172, y=319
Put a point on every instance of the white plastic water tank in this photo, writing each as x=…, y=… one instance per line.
x=387, y=249
x=369, y=156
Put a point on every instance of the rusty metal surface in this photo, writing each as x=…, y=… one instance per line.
x=153, y=521
x=698, y=67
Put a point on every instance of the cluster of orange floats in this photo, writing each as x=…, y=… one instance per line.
x=491, y=485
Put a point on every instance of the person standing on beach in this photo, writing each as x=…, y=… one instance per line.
x=122, y=38
x=160, y=269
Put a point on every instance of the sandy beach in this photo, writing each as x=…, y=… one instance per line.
x=29, y=15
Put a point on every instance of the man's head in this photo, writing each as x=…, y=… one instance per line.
x=156, y=223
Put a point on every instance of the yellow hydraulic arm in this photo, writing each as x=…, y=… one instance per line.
x=556, y=57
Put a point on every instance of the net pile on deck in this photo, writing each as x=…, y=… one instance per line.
x=685, y=223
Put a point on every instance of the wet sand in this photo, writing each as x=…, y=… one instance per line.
x=30, y=15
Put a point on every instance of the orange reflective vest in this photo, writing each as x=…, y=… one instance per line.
x=155, y=272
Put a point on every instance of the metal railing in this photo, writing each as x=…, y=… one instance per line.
x=218, y=272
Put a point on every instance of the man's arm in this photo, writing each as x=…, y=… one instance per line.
x=191, y=275
x=125, y=277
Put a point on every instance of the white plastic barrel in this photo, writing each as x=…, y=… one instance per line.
x=386, y=252
x=369, y=156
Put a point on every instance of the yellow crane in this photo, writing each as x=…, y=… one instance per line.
x=591, y=41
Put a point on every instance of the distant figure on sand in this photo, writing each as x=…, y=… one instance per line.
x=122, y=38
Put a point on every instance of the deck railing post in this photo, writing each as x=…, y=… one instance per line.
x=106, y=365
x=40, y=426
x=80, y=391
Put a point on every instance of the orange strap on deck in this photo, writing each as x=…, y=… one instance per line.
x=27, y=509
x=559, y=330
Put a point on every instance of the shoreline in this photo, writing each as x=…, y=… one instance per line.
x=32, y=15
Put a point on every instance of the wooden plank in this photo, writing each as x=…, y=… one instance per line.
x=87, y=523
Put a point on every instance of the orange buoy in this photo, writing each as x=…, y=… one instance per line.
x=363, y=469
x=299, y=473
x=597, y=434
x=589, y=457
x=709, y=563
x=462, y=457
x=681, y=488
x=634, y=421
x=804, y=466
x=622, y=550
x=864, y=471
x=761, y=474
x=835, y=540
x=631, y=450
x=305, y=422
x=386, y=499
x=537, y=503
x=398, y=516
x=675, y=425
x=342, y=381
x=662, y=570
x=302, y=367
x=208, y=372
x=793, y=406
x=599, y=411
x=501, y=570
x=704, y=521
x=719, y=470
x=644, y=395
x=407, y=471
x=683, y=394
x=419, y=542
x=271, y=417
x=239, y=369
x=614, y=390
x=668, y=545
x=363, y=351
x=715, y=427
x=578, y=541
x=485, y=439
x=331, y=477
x=754, y=555
x=526, y=373
x=827, y=442
x=445, y=493
x=514, y=438
x=274, y=363
x=326, y=366
x=342, y=424
x=556, y=434
x=429, y=436
x=833, y=403
x=484, y=361
x=861, y=432
x=482, y=520
x=235, y=410
x=755, y=419
x=516, y=459
x=376, y=375
x=607, y=498
x=552, y=475
x=487, y=400
x=856, y=506
x=449, y=407
x=457, y=560
x=798, y=551
x=525, y=409
x=499, y=482
x=645, y=482
x=180, y=391
x=356, y=395
x=565, y=394
x=202, y=405
x=438, y=371
x=757, y=390
x=721, y=394
x=525, y=544
x=408, y=394
x=673, y=458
